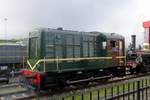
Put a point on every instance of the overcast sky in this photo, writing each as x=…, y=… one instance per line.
x=121, y=16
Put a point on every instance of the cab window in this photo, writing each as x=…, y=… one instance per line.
x=114, y=46
x=113, y=43
x=104, y=44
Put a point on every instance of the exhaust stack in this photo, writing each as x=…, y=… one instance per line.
x=133, y=39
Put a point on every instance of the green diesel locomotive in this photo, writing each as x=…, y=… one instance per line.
x=59, y=57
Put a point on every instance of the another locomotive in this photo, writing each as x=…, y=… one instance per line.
x=58, y=57
x=12, y=55
x=138, y=59
x=11, y=58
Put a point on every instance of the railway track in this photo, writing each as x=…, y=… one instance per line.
x=95, y=87
x=102, y=82
x=15, y=92
x=9, y=85
x=91, y=85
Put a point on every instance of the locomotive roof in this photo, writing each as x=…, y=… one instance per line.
x=109, y=35
x=113, y=36
x=94, y=33
x=63, y=31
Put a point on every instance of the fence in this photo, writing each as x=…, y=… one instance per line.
x=135, y=89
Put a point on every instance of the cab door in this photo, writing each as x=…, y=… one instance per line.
x=121, y=53
x=114, y=46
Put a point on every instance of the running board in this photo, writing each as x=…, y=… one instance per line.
x=88, y=79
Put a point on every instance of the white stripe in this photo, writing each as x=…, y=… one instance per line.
x=71, y=59
x=68, y=59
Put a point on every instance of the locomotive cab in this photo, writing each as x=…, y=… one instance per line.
x=116, y=49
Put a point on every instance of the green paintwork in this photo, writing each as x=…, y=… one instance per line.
x=51, y=42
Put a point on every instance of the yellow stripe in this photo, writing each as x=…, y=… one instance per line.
x=29, y=64
x=121, y=57
x=69, y=59
x=74, y=59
